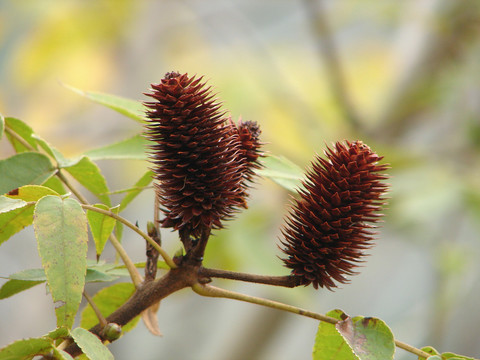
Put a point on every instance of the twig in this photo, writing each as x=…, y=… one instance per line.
x=196, y=253
x=132, y=270
x=285, y=281
x=165, y=256
x=101, y=319
x=21, y=140
x=212, y=291
x=72, y=188
x=152, y=253
x=144, y=297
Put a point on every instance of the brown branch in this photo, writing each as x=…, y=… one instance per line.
x=146, y=295
x=285, y=281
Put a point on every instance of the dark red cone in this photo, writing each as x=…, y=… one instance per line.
x=196, y=159
x=328, y=228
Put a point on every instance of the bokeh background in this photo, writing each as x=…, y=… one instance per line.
x=403, y=76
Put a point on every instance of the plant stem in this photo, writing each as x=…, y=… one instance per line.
x=19, y=139
x=101, y=319
x=145, y=296
x=72, y=188
x=212, y=291
x=166, y=257
x=285, y=281
x=132, y=270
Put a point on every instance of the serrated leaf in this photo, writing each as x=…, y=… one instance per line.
x=61, y=230
x=282, y=171
x=12, y=287
x=57, y=333
x=108, y=300
x=94, y=274
x=13, y=221
x=129, y=149
x=22, y=130
x=145, y=180
x=101, y=226
x=370, y=338
x=90, y=345
x=329, y=344
x=131, y=108
x=24, y=169
x=8, y=204
x=25, y=349
x=87, y=173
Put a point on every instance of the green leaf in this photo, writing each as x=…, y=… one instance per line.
x=96, y=275
x=58, y=333
x=121, y=270
x=119, y=231
x=23, y=169
x=329, y=344
x=12, y=287
x=13, y=221
x=56, y=185
x=282, y=171
x=430, y=350
x=101, y=226
x=108, y=300
x=87, y=173
x=131, y=108
x=370, y=338
x=62, y=355
x=8, y=204
x=130, y=149
x=453, y=356
x=22, y=130
x=105, y=273
x=29, y=275
x=52, y=151
x=90, y=345
x=26, y=349
x=145, y=180
x=61, y=230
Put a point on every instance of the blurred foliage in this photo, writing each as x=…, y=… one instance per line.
x=410, y=71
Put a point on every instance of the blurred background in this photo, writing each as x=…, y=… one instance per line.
x=401, y=76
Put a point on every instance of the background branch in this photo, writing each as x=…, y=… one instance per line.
x=334, y=73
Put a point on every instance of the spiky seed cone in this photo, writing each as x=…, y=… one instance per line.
x=195, y=158
x=248, y=136
x=328, y=228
